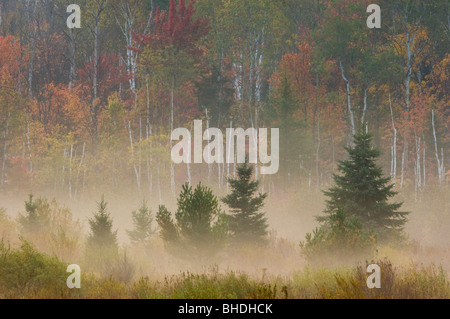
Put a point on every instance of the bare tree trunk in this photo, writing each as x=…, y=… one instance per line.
x=70, y=171
x=136, y=172
x=79, y=170
x=140, y=147
x=333, y=156
x=417, y=171
x=159, y=186
x=424, y=163
x=403, y=169
x=31, y=62
x=349, y=101
x=256, y=142
x=363, y=117
x=5, y=151
x=394, y=146
x=95, y=80
x=64, y=167
x=172, y=169
x=438, y=160
x=148, y=132
x=72, y=59
x=30, y=155
x=149, y=128
x=410, y=40
x=317, y=154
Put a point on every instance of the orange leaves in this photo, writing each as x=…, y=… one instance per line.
x=440, y=78
x=10, y=62
x=57, y=106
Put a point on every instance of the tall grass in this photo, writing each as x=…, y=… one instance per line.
x=27, y=273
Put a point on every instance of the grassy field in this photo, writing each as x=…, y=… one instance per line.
x=27, y=273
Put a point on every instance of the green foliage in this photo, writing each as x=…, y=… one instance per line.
x=102, y=247
x=7, y=226
x=142, y=221
x=200, y=223
x=210, y=285
x=362, y=192
x=341, y=239
x=246, y=223
x=413, y=282
x=37, y=216
x=101, y=225
x=50, y=227
x=26, y=272
x=169, y=232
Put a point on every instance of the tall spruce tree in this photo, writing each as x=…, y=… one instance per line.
x=361, y=191
x=246, y=223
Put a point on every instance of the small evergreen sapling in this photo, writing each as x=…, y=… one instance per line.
x=142, y=221
x=102, y=241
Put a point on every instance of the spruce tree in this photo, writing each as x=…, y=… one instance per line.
x=102, y=237
x=142, y=220
x=37, y=216
x=361, y=191
x=246, y=223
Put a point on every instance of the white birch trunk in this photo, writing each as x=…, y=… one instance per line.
x=136, y=172
x=349, y=101
x=438, y=160
x=394, y=146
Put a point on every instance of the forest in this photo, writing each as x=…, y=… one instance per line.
x=87, y=177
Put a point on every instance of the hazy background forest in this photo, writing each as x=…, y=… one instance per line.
x=88, y=112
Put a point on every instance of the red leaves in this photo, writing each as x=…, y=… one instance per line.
x=177, y=29
x=110, y=75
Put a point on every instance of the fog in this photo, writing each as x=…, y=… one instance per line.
x=291, y=215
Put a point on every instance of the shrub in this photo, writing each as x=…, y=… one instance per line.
x=7, y=226
x=27, y=273
x=342, y=239
x=50, y=227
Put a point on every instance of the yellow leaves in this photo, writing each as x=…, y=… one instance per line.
x=415, y=44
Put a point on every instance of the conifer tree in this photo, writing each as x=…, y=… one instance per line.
x=102, y=236
x=361, y=191
x=142, y=220
x=37, y=215
x=246, y=223
x=200, y=225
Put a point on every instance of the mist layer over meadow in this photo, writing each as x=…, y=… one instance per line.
x=103, y=165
